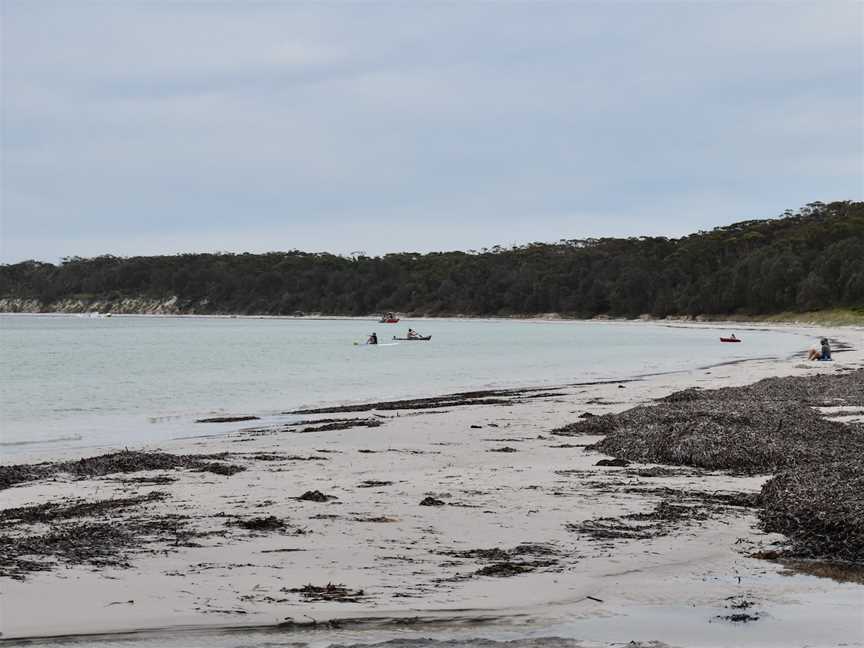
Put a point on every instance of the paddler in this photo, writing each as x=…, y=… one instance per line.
x=373, y=339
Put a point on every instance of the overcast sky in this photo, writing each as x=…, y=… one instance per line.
x=160, y=127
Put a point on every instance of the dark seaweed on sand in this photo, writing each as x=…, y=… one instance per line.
x=817, y=499
x=126, y=461
x=820, y=507
x=760, y=428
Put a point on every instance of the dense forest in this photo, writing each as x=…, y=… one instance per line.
x=806, y=260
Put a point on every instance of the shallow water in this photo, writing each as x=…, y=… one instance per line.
x=783, y=622
x=69, y=381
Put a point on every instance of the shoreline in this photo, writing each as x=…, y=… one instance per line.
x=491, y=497
x=715, y=321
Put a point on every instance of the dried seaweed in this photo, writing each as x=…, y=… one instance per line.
x=328, y=592
x=759, y=428
x=820, y=508
x=49, y=512
x=126, y=461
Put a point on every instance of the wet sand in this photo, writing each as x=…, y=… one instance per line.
x=464, y=508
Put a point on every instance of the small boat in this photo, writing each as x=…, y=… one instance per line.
x=419, y=338
x=389, y=320
x=730, y=339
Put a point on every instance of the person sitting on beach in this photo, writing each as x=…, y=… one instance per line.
x=817, y=351
x=825, y=350
x=373, y=339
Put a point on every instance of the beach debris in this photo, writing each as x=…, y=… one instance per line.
x=283, y=550
x=504, y=569
x=125, y=461
x=374, y=483
x=760, y=428
x=748, y=436
x=663, y=471
x=155, y=480
x=497, y=554
x=269, y=523
x=820, y=508
x=431, y=501
x=328, y=592
x=739, y=617
x=220, y=468
x=316, y=496
x=345, y=424
x=228, y=419
x=486, y=397
x=97, y=543
x=639, y=526
x=610, y=528
x=48, y=512
x=620, y=463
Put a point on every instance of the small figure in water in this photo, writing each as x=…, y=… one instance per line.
x=732, y=337
x=412, y=334
x=373, y=339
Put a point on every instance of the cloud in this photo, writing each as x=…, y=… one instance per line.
x=148, y=127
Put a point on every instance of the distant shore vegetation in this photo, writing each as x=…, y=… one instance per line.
x=808, y=260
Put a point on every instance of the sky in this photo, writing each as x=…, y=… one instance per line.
x=158, y=127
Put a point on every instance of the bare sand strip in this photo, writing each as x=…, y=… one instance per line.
x=460, y=510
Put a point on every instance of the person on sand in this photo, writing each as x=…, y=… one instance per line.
x=373, y=339
x=822, y=351
x=825, y=350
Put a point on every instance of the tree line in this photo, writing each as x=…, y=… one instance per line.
x=810, y=259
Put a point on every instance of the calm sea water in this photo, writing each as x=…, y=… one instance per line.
x=73, y=381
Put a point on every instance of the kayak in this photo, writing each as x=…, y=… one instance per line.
x=722, y=339
x=392, y=320
x=420, y=338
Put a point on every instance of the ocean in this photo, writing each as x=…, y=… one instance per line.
x=70, y=381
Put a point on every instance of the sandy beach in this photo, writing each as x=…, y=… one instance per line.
x=464, y=509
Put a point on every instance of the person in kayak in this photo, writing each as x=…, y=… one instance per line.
x=412, y=334
x=373, y=339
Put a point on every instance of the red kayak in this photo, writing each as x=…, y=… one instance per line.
x=732, y=339
x=389, y=320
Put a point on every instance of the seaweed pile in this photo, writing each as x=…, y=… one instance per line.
x=816, y=500
x=126, y=461
x=82, y=533
x=820, y=507
x=760, y=428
